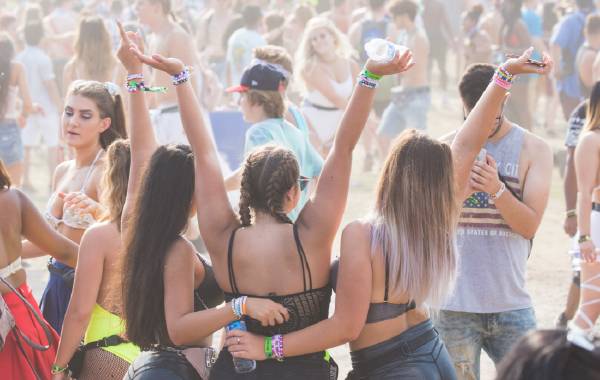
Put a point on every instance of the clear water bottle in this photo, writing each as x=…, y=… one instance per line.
x=241, y=365
x=381, y=50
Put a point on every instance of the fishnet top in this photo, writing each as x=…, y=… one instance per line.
x=305, y=308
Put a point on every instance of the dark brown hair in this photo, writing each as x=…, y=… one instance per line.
x=109, y=106
x=4, y=177
x=160, y=216
x=592, y=24
x=269, y=173
x=474, y=82
x=404, y=7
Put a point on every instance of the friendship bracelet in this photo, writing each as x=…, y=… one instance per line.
x=268, y=348
x=182, y=77
x=135, y=76
x=277, y=347
x=244, y=299
x=134, y=85
x=236, y=308
x=56, y=369
x=370, y=75
x=571, y=213
x=367, y=82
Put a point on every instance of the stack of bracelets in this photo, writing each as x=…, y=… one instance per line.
x=503, y=78
x=368, y=79
x=238, y=305
x=135, y=82
x=274, y=347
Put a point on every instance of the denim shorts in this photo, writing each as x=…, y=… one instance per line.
x=466, y=334
x=408, y=110
x=429, y=361
x=11, y=146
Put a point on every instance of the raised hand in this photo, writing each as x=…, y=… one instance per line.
x=520, y=65
x=401, y=62
x=171, y=66
x=131, y=45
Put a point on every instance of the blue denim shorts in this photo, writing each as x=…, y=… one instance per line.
x=408, y=110
x=11, y=146
x=430, y=361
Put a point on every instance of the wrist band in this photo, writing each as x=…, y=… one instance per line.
x=503, y=78
x=584, y=238
x=277, y=347
x=370, y=75
x=499, y=193
x=236, y=307
x=56, y=369
x=182, y=77
x=268, y=348
x=135, y=76
x=571, y=213
x=367, y=82
x=135, y=85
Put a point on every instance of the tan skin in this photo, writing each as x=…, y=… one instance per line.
x=183, y=269
x=357, y=287
x=587, y=165
x=21, y=219
x=267, y=246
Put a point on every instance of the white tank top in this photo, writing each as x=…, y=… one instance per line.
x=343, y=89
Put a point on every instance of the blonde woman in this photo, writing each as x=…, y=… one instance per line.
x=93, y=59
x=326, y=73
x=587, y=167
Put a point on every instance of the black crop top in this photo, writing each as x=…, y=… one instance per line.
x=305, y=308
x=381, y=311
x=208, y=294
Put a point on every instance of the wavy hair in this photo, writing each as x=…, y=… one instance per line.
x=93, y=49
x=115, y=179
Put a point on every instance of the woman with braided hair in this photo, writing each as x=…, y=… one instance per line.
x=260, y=252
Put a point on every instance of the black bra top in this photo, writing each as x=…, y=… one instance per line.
x=208, y=294
x=305, y=308
x=382, y=311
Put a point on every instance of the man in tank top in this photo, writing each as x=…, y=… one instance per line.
x=509, y=188
x=411, y=100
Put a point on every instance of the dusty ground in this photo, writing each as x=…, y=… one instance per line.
x=548, y=267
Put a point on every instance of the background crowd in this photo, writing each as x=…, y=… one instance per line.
x=51, y=49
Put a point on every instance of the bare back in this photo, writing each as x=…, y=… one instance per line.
x=10, y=234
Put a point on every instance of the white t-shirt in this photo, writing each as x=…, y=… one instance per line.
x=239, y=51
x=38, y=69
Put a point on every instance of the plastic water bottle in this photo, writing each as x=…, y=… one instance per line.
x=241, y=365
x=381, y=50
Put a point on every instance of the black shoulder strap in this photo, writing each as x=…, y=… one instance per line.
x=387, y=275
x=303, y=260
x=232, y=281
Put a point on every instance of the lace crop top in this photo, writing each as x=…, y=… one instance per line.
x=381, y=311
x=305, y=308
x=70, y=218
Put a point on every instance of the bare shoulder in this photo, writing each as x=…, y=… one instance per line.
x=536, y=145
x=589, y=139
x=181, y=253
x=103, y=234
x=357, y=231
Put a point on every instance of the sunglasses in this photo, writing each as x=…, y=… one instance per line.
x=303, y=182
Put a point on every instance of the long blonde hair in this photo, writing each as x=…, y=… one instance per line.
x=415, y=218
x=592, y=119
x=306, y=55
x=93, y=50
x=115, y=179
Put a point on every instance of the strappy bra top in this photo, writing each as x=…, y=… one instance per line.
x=305, y=308
x=11, y=268
x=208, y=294
x=70, y=218
x=381, y=311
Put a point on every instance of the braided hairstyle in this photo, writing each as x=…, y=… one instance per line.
x=269, y=173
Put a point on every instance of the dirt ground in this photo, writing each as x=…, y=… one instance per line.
x=548, y=268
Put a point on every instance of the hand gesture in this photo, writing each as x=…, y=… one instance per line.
x=171, y=66
x=484, y=176
x=131, y=43
x=81, y=204
x=401, y=62
x=245, y=345
x=520, y=65
x=588, y=251
x=269, y=313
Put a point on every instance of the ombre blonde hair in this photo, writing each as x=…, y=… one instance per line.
x=592, y=119
x=415, y=218
x=115, y=179
x=307, y=55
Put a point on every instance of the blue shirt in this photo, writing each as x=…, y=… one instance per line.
x=533, y=21
x=282, y=133
x=568, y=35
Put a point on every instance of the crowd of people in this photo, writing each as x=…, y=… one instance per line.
x=159, y=236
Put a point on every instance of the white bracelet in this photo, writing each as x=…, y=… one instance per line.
x=499, y=193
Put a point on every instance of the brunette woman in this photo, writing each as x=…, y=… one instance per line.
x=164, y=313
x=400, y=260
x=260, y=252
x=20, y=219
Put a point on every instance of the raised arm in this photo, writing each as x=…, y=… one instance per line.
x=474, y=132
x=141, y=135
x=323, y=212
x=587, y=162
x=215, y=215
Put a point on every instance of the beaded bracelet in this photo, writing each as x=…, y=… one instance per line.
x=135, y=85
x=277, y=347
x=503, y=78
x=182, y=77
x=268, y=348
